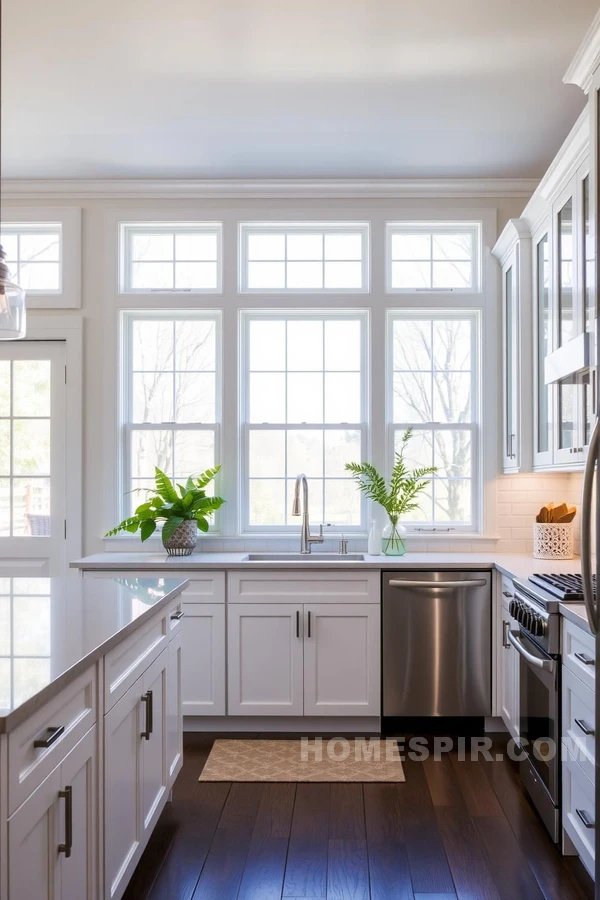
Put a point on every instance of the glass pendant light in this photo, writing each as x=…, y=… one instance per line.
x=12, y=305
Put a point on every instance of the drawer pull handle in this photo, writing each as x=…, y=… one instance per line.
x=67, y=796
x=506, y=594
x=52, y=735
x=309, y=623
x=297, y=623
x=585, y=728
x=147, y=699
x=505, y=641
x=586, y=660
x=178, y=615
x=585, y=818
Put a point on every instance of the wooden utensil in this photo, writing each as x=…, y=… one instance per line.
x=559, y=511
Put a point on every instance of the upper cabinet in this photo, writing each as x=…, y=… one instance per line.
x=513, y=251
x=547, y=260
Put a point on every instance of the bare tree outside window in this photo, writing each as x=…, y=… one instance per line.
x=173, y=399
x=432, y=393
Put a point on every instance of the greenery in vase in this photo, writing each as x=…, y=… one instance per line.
x=400, y=496
x=172, y=505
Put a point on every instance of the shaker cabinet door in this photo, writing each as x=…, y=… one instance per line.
x=203, y=662
x=265, y=659
x=342, y=660
x=155, y=778
x=174, y=724
x=79, y=772
x=33, y=839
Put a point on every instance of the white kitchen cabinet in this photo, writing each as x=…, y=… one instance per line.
x=203, y=662
x=61, y=813
x=342, y=660
x=509, y=681
x=265, y=659
x=136, y=777
x=513, y=250
x=122, y=791
x=155, y=777
x=174, y=724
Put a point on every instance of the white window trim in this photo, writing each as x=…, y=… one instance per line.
x=246, y=316
x=477, y=487
x=69, y=220
x=126, y=229
x=247, y=228
x=440, y=227
x=126, y=428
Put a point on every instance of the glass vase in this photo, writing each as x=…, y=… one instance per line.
x=393, y=539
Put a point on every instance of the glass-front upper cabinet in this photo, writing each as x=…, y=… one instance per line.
x=544, y=393
x=574, y=273
x=513, y=250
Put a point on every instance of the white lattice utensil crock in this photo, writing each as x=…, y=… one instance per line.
x=552, y=540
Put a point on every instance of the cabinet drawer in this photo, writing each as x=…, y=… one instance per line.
x=579, y=809
x=579, y=653
x=205, y=587
x=75, y=711
x=578, y=717
x=128, y=660
x=303, y=587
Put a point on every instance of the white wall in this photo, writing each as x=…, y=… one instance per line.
x=99, y=314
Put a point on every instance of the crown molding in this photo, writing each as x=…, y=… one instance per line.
x=571, y=155
x=310, y=189
x=515, y=230
x=587, y=58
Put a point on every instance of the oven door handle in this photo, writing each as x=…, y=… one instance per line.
x=546, y=664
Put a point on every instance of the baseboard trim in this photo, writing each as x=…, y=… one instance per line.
x=303, y=725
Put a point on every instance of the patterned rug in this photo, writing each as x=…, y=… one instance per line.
x=314, y=759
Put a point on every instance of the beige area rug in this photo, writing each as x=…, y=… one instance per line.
x=361, y=759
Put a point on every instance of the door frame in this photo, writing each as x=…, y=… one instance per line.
x=68, y=329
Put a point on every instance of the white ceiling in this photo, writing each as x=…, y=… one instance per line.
x=287, y=88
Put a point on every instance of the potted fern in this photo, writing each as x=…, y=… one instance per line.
x=396, y=499
x=183, y=510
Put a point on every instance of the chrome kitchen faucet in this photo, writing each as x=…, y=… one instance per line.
x=306, y=538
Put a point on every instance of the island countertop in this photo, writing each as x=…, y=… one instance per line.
x=51, y=629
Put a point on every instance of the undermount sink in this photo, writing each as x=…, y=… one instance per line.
x=304, y=557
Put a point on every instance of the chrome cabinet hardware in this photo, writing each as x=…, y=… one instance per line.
x=52, y=735
x=585, y=659
x=506, y=594
x=67, y=796
x=178, y=615
x=147, y=700
x=585, y=728
x=476, y=582
x=505, y=641
x=589, y=823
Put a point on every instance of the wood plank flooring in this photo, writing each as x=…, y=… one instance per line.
x=453, y=831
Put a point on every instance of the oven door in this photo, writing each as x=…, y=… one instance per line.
x=539, y=714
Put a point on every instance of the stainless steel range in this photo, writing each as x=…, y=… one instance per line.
x=535, y=606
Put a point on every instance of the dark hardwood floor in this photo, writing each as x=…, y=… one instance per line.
x=453, y=831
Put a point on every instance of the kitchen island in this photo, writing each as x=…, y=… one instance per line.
x=90, y=729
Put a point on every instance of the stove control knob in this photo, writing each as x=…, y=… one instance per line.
x=512, y=608
x=541, y=629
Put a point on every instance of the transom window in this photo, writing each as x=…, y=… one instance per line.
x=303, y=410
x=433, y=390
x=171, y=257
x=433, y=257
x=304, y=257
x=33, y=255
x=171, y=403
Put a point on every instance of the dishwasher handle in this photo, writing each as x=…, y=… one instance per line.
x=474, y=582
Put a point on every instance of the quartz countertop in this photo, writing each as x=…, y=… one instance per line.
x=514, y=565
x=60, y=626
x=576, y=613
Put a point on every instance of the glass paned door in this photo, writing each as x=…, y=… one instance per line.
x=566, y=318
x=32, y=454
x=544, y=346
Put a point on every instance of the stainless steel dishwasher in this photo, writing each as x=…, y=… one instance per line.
x=437, y=636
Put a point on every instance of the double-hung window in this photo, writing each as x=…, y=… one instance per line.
x=171, y=406
x=34, y=255
x=304, y=409
x=433, y=372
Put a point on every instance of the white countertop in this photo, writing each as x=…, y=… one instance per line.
x=515, y=565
